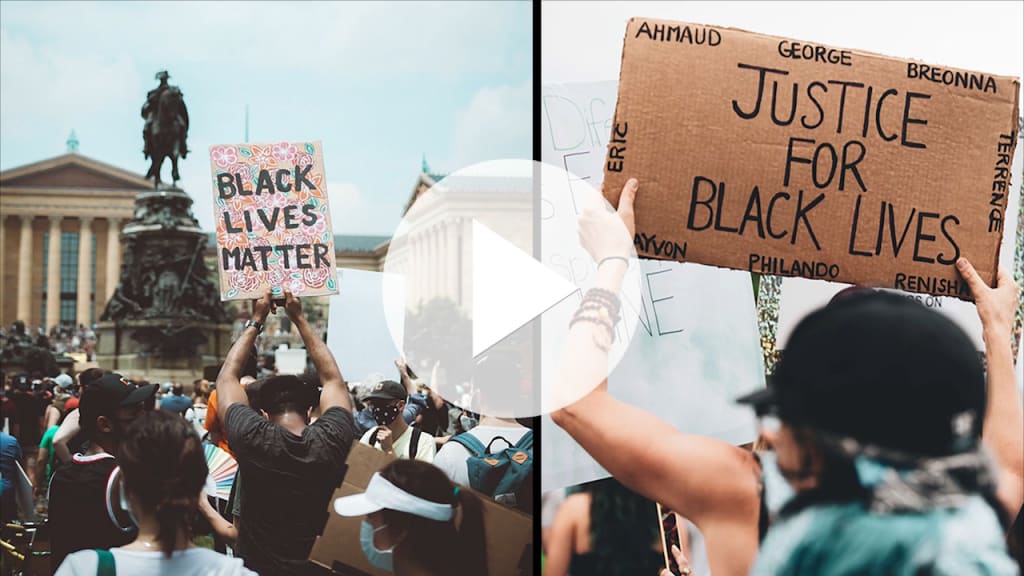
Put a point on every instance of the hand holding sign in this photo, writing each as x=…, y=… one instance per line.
x=261, y=308
x=292, y=306
x=600, y=232
x=996, y=306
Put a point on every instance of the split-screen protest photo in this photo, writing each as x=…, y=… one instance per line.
x=511, y=288
x=824, y=204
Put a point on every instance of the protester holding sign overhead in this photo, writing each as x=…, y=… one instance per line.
x=290, y=467
x=885, y=442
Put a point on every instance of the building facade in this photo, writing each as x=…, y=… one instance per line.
x=60, y=245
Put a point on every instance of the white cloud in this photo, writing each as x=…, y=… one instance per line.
x=492, y=127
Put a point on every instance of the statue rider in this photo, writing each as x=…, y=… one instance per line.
x=152, y=107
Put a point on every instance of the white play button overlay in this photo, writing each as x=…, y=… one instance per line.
x=492, y=274
x=500, y=306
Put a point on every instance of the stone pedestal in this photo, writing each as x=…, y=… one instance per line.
x=121, y=349
x=165, y=320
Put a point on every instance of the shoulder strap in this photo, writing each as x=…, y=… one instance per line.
x=471, y=443
x=526, y=442
x=105, y=563
x=414, y=442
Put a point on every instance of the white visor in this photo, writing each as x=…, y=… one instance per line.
x=381, y=494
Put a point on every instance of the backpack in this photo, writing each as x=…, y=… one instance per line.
x=414, y=442
x=506, y=476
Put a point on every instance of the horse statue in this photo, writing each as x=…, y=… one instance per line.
x=165, y=130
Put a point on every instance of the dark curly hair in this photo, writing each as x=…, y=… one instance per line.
x=623, y=529
x=164, y=467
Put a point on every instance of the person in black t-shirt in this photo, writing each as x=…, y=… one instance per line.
x=79, y=515
x=291, y=467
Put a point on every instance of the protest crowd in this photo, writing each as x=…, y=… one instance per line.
x=123, y=469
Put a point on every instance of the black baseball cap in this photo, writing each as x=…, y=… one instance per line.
x=883, y=369
x=105, y=395
x=387, y=390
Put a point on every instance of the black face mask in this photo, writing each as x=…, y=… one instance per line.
x=384, y=415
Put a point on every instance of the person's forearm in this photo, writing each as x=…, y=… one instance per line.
x=585, y=364
x=1004, y=418
x=229, y=389
x=323, y=360
x=221, y=527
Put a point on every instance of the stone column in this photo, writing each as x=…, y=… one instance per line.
x=53, y=274
x=113, y=255
x=82, y=315
x=25, y=271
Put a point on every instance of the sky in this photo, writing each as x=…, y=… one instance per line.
x=582, y=42
x=381, y=85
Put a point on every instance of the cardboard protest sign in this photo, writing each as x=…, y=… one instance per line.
x=695, y=348
x=508, y=532
x=782, y=157
x=357, y=323
x=273, y=222
x=799, y=297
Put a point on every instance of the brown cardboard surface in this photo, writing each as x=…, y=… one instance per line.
x=919, y=176
x=508, y=531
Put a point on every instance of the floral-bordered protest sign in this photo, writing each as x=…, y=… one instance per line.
x=273, y=221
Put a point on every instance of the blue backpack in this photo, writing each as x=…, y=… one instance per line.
x=506, y=476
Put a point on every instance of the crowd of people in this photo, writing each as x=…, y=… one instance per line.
x=120, y=469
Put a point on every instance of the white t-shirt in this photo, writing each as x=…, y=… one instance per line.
x=425, y=450
x=191, y=562
x=452, y=456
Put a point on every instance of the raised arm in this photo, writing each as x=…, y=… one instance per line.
x=229, y=389
x=709, y=481
x=334, y=392
x=1003, y=430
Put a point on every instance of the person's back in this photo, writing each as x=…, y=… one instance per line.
x=78, y=516
x=289, y=480
x=290, y=467
x=191, y=562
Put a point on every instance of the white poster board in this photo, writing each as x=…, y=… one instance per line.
x=696, y=346
x=357, y=332
x=799, y=297
x=290, y=360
